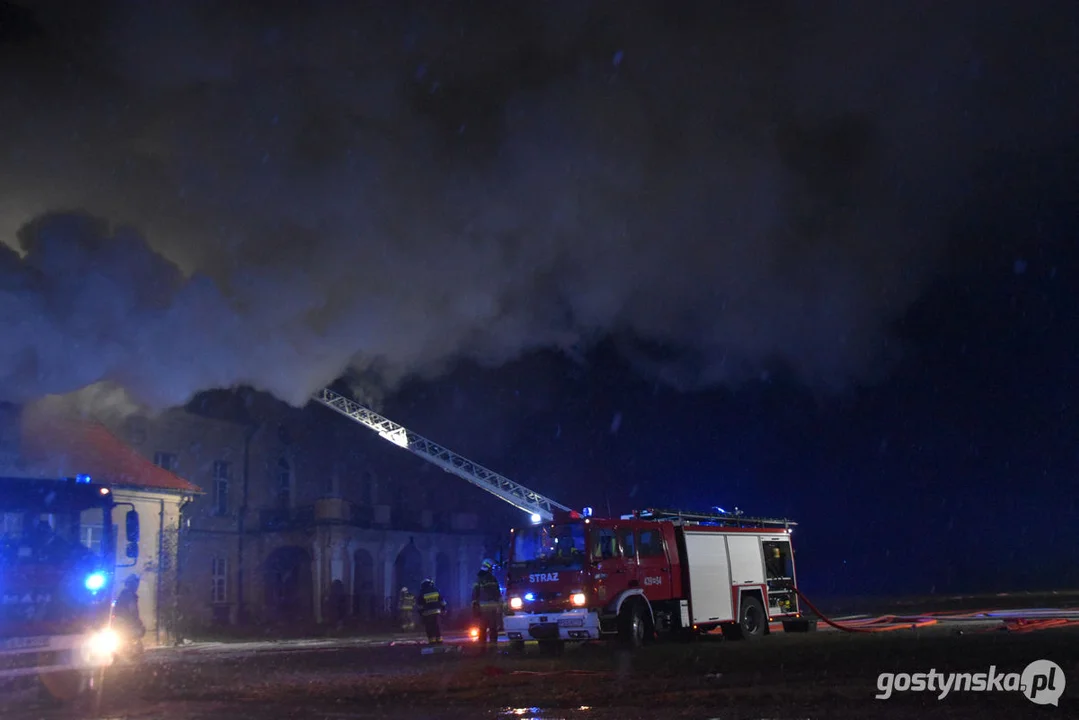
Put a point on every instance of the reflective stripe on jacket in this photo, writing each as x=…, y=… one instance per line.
x=407, y=601
x=431, y=603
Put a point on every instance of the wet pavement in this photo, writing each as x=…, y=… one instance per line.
x=816, y=675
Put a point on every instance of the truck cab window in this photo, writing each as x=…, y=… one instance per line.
x=629, y=547
x=651, y=543
x=604, y=544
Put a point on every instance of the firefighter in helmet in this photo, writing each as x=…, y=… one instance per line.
x=430, y=609
x=487, y=603
x=125, y=613
x=406, y=604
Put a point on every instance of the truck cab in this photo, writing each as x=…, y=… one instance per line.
x=58, y=558
x=582, y=580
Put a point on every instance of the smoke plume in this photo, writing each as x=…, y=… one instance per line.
x=392, y=186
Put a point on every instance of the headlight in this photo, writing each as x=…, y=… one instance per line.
x=516, y=603
x=102, y=645
x=474, y=633
x=95, y=581
x=578, y=599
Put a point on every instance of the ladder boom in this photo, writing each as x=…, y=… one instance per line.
x=517, y=495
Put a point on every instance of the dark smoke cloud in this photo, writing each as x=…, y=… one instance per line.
x=392, y=186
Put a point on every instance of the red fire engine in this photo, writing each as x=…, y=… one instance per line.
x=57, y=566
x=648, y=574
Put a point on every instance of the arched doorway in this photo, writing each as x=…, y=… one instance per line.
x=287, y=577
x=408, y=570
x=365, y=604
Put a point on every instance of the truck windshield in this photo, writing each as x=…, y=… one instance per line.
x=32, y=536
x=561, y=545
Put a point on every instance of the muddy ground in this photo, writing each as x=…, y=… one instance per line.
x=815, y=675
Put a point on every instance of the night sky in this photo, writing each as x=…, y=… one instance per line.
x=807, y=259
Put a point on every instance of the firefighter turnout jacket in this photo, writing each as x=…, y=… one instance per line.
x=405, y=601
x=431, y=602
x=486, y=593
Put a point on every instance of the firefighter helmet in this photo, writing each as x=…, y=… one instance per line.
x=486, y=565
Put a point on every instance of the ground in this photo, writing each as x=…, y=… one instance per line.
x=814, y=675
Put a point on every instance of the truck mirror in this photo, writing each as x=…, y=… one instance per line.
x=132, y=550
x=132, y=528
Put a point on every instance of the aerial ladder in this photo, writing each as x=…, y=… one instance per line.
x=540, y=508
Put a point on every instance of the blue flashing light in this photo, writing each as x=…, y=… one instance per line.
x=587, y=512
x=95, y=581
x=529, y=597
x=84, y=479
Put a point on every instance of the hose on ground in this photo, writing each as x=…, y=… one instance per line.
x=1028, y=620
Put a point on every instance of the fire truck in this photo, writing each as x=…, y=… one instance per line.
x=58, y=559
x=652, y=573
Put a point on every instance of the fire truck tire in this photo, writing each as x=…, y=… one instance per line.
x=633, y=628
x=517, y=646
x=752, y=622
x=62, y=687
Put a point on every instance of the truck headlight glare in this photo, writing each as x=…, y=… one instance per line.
x=578, y=599
x=102, y=645
x=516, y=603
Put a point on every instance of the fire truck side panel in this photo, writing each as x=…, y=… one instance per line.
x=747, y=562
x=710, y=577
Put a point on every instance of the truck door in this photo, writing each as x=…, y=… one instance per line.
x=628, y=542
x=609, y=566
x=653, y=564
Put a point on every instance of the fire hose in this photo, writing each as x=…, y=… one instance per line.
x=1026, y=620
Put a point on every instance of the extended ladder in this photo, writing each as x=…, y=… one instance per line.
x=517, y=495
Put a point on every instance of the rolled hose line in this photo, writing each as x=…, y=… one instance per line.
x=1027, y=620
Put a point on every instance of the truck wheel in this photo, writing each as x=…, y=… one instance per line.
x=633, y=625
x=62, y=686
x=752, y=622
x=517, y=646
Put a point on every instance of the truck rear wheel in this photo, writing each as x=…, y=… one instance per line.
x=752, y=622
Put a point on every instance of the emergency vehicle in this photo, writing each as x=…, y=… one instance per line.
x=573, y=577
x=651, y=573
x=58, y=559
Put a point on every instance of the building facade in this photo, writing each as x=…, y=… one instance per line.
x=304, y=521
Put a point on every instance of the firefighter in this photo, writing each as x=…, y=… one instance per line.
x=487, y=603
x=125, y=615
x=566, y=547
x=430, y=609
x=406, y=604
